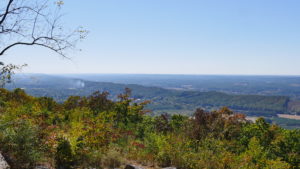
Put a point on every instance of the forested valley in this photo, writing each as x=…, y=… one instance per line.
x=165, y=100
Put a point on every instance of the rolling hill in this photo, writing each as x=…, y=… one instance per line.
x=162, y=100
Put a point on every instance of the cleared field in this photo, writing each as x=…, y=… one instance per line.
x=251, y=118
x=295, y=117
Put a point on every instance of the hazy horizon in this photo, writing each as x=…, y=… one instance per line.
x=158, y=74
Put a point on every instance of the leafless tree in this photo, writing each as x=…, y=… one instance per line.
x=35, y=23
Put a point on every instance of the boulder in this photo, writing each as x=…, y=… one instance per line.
x=129, y=166
x=41, y=167
x=3, y=163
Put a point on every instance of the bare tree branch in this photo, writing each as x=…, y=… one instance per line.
x=34, y=23
x=26, y=23
x=6, y=11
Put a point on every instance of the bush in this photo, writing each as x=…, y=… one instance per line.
x=112, y=159
x=20, y=144
x=64, y=158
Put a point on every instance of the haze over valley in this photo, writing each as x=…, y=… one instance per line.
x=255, y=96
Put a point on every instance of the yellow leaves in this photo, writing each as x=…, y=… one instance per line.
x=276, y=164
x=74, y=132
x=79, y=114
x=95, y=134
x=59, y=3
x=82, y=33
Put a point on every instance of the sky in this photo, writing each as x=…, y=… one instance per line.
x=244, y=37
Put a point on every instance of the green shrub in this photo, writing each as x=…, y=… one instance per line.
x=64, y=158
x=20, y=143
x=112, y=159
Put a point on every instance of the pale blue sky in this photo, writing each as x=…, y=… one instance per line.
x=177, y=37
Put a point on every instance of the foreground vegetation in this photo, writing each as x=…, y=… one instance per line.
x=96, y=132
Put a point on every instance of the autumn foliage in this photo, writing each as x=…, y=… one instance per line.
x=97, y=132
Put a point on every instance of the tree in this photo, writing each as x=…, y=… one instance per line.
x=35, y=23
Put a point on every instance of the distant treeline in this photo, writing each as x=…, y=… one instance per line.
x=164, y=100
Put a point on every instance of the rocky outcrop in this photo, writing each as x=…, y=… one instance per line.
x=3, y=163
x=41, y=167
x=129, y=166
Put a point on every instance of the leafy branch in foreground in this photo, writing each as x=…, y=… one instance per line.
x=6, y=72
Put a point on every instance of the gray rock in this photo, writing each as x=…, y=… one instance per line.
x=3, y=163
x=129, y=166
x=169, y=168
x=41, y=167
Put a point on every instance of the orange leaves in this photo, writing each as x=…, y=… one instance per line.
x=138, y=145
